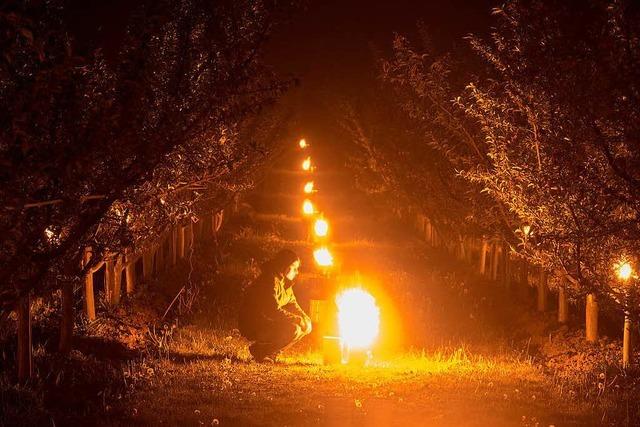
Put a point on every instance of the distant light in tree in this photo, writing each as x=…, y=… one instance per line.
x=306, y=164
x=624, y=270
x=526, y=229
x=303, y=143
x=50, y=234
x=307, y=207
x=323, y=257
x=308, y=187
x=321, y=227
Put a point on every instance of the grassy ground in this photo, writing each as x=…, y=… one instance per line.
x=454, y=349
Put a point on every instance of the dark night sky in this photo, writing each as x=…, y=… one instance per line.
x=328, y=45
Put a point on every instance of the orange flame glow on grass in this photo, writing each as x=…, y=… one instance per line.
x=321, y=227
x=307, y=207
x=323, y=257
x=308, y=187
x=358, y=318
x=306, y=164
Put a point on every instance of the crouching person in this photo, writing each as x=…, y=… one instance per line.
x=270, y=315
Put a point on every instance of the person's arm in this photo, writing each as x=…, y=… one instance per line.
x=294, y=308
x=274, y=310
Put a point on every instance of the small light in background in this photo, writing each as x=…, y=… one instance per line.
x=303, y=143
x=624, y=270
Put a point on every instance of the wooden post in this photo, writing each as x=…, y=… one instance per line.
x=563, y=305
x=89, y=295
x=542, y=290
x=174, y=245
x=592, y=318
x=66, y=321
x=147, y=264
x=25, y=357
x=495, y=258
x=483, y=256
x=117, y=281
x=182, y=232
x=109, y=281
x=626, y=342
x=131, y=274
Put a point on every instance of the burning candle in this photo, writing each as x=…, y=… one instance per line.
x=321, y=227
x=358, y=318
x=323, y=257
x=306, y=164
x=307, y=207
x=308, y=187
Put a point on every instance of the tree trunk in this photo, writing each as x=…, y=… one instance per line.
x=542, y=290
x=626, y=342
x=66, y=321
x=591, y=318
x=495, y=261
x=174, y=244
x=182, y=234
x=506, y=266
x=147, y=264
x=89, y=295
x=25, y=357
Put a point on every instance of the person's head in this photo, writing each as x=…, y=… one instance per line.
x=286, y=263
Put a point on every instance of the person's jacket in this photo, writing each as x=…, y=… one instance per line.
x=270, y=296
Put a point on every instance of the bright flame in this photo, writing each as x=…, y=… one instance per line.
x=321, y=227
x=306, y=164
x=624, y=270
x=308, y=187
x=303, y=143
x=323, y=257
x=307, y=207
x=358, y=318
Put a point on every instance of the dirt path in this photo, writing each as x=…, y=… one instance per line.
x=444, y=357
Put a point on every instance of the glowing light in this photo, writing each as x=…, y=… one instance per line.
x=526, y=229
x=306, y=164
x=358, y=318
x=323, y=257
x=321, y=227
x=307, y=207
x=308, y=187
x=624, y=270
x=303, y=143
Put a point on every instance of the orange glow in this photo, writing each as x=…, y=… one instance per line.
x=321, y=227
x=308, y=187
x=303, y=143
x=306, y=165
x=323, y=257
x=358, y=318
x=307, y=207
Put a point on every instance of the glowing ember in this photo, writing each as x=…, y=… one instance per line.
x=321, y=227
x=306, y=165
x=624, y=270
x=323, y=257
x=303, y=143
x=308, y=187
x=307, y=207
x=358, y=318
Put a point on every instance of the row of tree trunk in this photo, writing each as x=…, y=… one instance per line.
x=495, y=262
x=173, y=245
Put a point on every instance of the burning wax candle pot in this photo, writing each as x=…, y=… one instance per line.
x=323, y=257
x=306, y=164
x=307, y=207
x=321, y=227
x=303, y=143
x=358, y=318
x=308, y=187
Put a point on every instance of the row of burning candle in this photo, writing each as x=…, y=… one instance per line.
x=321, y=255
x=358, y=314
